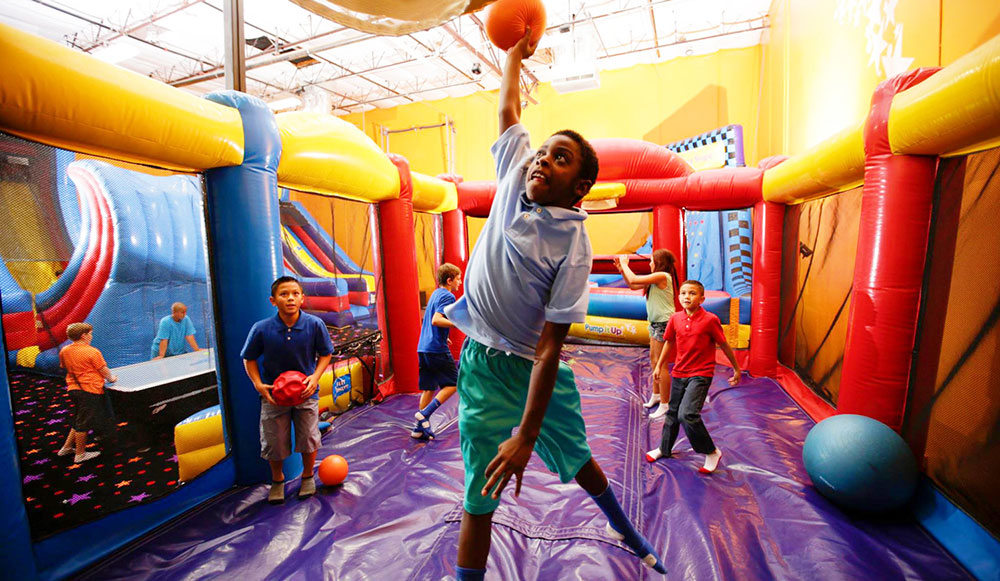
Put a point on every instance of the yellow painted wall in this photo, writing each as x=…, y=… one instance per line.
x=824, y=58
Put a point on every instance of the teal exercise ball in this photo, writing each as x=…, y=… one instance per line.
x=860, y=463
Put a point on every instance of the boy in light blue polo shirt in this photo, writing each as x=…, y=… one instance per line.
x=526, y=282
x=172, y=332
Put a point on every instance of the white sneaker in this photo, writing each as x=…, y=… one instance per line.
x=653, y=400
x=65, y=451
x=660, y=412
x=86, y=456
x=711, y=462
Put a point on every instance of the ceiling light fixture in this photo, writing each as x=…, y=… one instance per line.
x=285, y=103
x=115, y=53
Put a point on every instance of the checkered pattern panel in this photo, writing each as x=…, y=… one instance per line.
x=732, y=135
x=739, y=240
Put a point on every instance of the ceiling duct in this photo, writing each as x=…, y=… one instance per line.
x=574, y=58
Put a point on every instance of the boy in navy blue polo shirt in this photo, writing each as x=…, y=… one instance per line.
x=525, y=284
x=437, y=366
x=291, y=340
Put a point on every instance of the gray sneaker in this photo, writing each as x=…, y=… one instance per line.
x=308, y=487
x=85, y=456
x=277, y=493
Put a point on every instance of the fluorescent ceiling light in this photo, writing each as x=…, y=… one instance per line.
x=115, y=53
x=286, y=103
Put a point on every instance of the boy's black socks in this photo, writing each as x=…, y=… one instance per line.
x=608, y=503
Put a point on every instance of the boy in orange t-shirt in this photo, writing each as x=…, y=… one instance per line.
x=86, y=373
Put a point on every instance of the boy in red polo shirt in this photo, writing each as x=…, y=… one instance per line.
x=695, y=332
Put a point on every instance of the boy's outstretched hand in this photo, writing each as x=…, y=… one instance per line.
x=524, y=47
x=512, y=456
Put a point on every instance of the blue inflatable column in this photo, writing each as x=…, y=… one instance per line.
x=15, y=537
x=244, y=233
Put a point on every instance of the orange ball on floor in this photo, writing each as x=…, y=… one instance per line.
x=507, y=21
x=333, y=470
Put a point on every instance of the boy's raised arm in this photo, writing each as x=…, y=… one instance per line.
x=510, y=90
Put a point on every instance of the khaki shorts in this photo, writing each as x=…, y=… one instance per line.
x=275, y=433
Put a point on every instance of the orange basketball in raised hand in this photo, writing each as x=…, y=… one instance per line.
x=507, y=21
x=333, y=470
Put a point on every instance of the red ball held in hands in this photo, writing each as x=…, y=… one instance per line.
x=288, y=388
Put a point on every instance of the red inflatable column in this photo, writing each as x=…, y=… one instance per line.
x=768, y=219
x=668, y=232
x=896, y=211
x=399, y=271
x=456, y=244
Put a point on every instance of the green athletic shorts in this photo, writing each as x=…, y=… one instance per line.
x=493, y=390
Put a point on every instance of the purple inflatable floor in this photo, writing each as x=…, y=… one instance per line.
x=396, y=516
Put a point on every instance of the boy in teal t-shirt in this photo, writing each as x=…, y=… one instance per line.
x=172, y=333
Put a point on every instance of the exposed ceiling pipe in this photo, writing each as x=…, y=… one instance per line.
x=267, y=59
x=263, y=60
x=651, y=5
x=658, y=46
x=101, y=25
x=130, y=30
x=445, y=61
x=489, y=63
x=652, y=21
x=415, y=92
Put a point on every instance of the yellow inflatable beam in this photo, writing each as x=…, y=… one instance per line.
x=326, y=155
x=603, y=196
x=61, y=97
x=631, y=331
x=433, y=195
x=954, y=112
x=833, y=166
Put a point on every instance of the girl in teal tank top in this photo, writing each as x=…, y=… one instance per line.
x=660, y=287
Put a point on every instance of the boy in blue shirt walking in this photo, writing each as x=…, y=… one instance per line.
x=437, y=366
x=526, y=283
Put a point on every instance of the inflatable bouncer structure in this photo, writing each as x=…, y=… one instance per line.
x=341, y=385
x=141, y=247
x=199, y=443
x=337, y=290
x=53, y=95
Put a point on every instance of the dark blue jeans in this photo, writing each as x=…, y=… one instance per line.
x=687, y=395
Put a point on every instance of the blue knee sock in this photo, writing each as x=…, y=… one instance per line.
x=427, y=411
x=463, y=574
x=635, y=541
